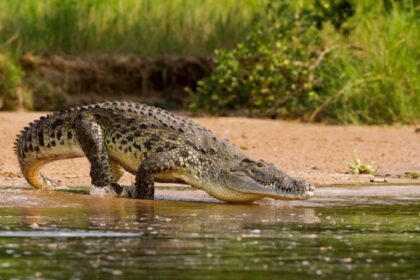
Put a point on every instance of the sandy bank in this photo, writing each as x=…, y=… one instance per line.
x=316, y=152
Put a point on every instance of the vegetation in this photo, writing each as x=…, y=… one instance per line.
x=13, y=94
x=9, y=82
x=129, y=26
x=341, y=61
x=273, y=72
x=375, y=74
x=412, y=175
x=358, y=68
x=358, y=167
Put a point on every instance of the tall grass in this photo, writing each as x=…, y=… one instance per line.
x=376, y=69
x=125, y=26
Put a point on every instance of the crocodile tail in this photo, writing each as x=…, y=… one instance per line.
x=31, y=172
x=26, y=148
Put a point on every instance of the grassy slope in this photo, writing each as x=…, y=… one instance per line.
x=129, y=26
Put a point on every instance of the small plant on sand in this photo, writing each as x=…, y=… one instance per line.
x=358, y=167
x=412, y=175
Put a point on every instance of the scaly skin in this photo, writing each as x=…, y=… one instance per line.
x=153, y=144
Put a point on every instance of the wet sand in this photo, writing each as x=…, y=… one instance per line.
x=315, y=152
x=26, y=197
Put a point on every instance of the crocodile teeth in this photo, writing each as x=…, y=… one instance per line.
x=272, y=184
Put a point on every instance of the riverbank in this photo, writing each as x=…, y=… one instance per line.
x=315, y=152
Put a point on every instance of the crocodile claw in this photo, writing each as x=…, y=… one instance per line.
x=128, y=191
x=103, y=191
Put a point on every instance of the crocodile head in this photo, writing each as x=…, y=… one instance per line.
x=260, y=178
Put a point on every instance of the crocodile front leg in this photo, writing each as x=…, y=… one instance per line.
x=161, y=162
x=90, y=137
x=116, y=170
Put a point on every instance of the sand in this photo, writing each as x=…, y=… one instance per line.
x=316, y=152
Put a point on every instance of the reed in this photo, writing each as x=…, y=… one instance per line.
x=129, y=26
x=375, y=75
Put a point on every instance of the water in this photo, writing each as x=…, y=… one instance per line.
x=339, y=234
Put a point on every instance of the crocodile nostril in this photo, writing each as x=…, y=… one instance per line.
x=311, y=188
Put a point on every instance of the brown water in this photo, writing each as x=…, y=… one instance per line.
x=342, y=233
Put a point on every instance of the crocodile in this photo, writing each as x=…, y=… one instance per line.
x=156, y=146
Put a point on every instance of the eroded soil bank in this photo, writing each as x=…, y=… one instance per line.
x=54, y=82
x=316, y=152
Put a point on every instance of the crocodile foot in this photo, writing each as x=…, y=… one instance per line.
x=128, y=191
x=52, y=185
x=103, y=191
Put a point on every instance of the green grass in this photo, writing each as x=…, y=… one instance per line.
x=378, y=67
x=129, y=26
x=412, y=175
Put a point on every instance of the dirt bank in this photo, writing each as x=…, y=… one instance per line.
x=54, y=82
x=319, y=153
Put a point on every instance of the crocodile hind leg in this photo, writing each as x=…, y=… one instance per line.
x=161, y=162
x=90, y=137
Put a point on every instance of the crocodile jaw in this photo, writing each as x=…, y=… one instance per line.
x=285, y=189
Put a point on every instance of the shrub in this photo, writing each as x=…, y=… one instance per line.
x=272, y=73
x=10, y=81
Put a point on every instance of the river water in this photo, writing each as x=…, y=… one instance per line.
x=342, y=233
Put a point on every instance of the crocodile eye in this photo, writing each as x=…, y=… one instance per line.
x=260, y=164
x=246, y=162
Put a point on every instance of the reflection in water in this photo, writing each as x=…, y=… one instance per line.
x=63, y=235
x=66, y=233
